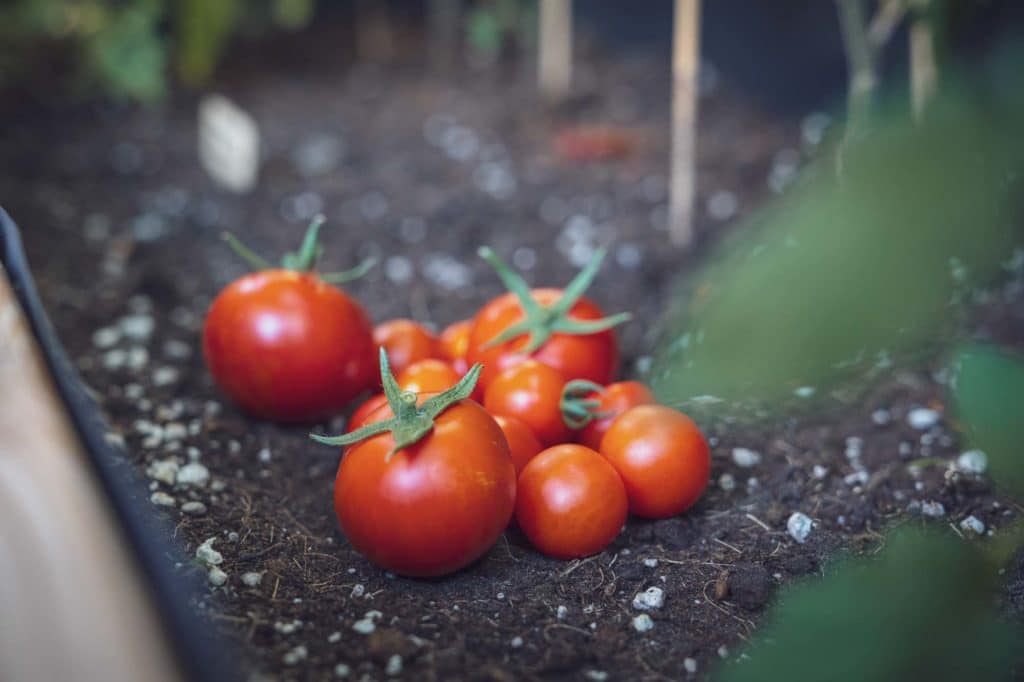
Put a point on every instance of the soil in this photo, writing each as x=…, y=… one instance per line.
x=122, y=227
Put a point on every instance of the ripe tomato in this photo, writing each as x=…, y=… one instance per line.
x=434, y=506
x=616, y=399
x=662, y=457
x=592, y=356
x=285, y=345
x=405, y=341
x=363, y=412
x=428, y=376
x=571, y=502
x=454, y=344
x=531, y=392
x=522, y=444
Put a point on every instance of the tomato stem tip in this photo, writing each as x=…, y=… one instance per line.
x=578, y=409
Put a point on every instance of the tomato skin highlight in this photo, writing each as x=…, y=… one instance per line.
x=286, y=346
x=662, y=457
x=571, y=502
x=616, y=399
x=593, y=357
x=522, y=444
x=428, y=376
x=454, y=344
x=531, y=392
x=435, y=506
x=406, y=342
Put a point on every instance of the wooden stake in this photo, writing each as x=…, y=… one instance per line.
x=924, y=75
x=554, y=61
x=685, y=64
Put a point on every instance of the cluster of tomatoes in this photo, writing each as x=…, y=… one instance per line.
x=512, y=416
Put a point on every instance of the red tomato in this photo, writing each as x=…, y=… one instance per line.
x=454, y=344
x=616, y=399
x=285, y=345
x=662, y=457
x=531, y=392
x=406, y=342
x=428, y=376
x=571, y=502
x=592, y=356
x=522, y=444
x=363, y=412
x=435, y=506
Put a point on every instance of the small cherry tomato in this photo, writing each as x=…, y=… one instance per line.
x=522, y=444
x=571, y=502
x=662, y=457
x=531, y=392
x=614, y=400
x=454, y=344
x=405, y=341
x=559, y=328
x=428, y=376
x=363, y=412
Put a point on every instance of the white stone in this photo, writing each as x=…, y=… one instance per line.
x=216, y=576
x=972, y=462
x=263, y=455
x=799, y=526
x=802, y=392
x=881, y=417
x=163, y=470
x=193, y=508
x=972, y=524
x=175, y=431
x=727, y=482
x=106, y=337
x=596, y=675
x=207, y=554
x=932, y=509
x=650, y=599
x=252, y=578
x=723, y=651
x=138, y=327
x=394, y=666
x=561, y=612
x=650, y=563
x=642, y=623
x=819, y=472
x=690, y=665
x=162, y=499
x=193, y=473
x=295, y=656
x=745, y=458
x=334, y=637
x=516, y=642
x=165, y=376
x=364, y=626
x=922, y=418
x=358, y=590
x=342, y=670
x=857, y=478
x=289, y=627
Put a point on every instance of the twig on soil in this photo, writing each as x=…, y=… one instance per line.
x=759, y=522
x=726, y=544
x=564, y=626
x=576, y=564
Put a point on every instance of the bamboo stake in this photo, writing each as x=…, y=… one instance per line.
x=924, y=75
x=685, y=64
x=554, y=61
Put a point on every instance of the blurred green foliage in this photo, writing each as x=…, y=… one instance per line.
x=494, y=25
x=125, y=48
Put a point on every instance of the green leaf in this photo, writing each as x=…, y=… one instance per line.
x=202, y=28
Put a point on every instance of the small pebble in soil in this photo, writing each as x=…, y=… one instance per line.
x=933, y=509
x=216, y=576
x=207, y=554
x=857, y=478
x=358, y=590
x=175, y=431
x=162, y=499
x=642, y=623
x=334, y=637
x=342, y=670
x=561, y=613
x=690, y=665
x=137, y=327
x=289, y=627
x=193, y=474
x=177, y=350
x=650, y=599
x=596, y=675
x=819, y=472
x=799, y=526
x=722, y=205
x=727, y=482
x=263, y=455
x=193, y=508
x=723, y=651
x=252, y=578
x=394, y=666
x=651, y=563
x=881, y=417
x=106, y=337
x=972, y=462
x=516, y=642
x=398, y=269
x=746, y=458
x=922, y=418
x=295, y=656
x=165, y=376
x=972, y=525
x=163, y=470
x=753, y=484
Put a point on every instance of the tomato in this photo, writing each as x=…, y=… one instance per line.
x=406, y=342
x=522, y=444
x=435, y=506
x=662, y=457
x=454, y=344
x=614, y=400
x=428, y=376
x=285, y=345
x=571, y=502
x=531, y=392
x=593, y=357
x=363, y=412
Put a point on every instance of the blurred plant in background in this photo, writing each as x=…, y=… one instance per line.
x=126, y=48
x=496, y=27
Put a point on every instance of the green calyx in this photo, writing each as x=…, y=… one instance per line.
x=303, y=260
x=541, y=322
x=411, y=421
x=578, y=409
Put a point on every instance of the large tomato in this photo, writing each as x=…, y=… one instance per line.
x=571, y=502
x=613, y=400
x=557, y=327
x=285, y=345
x=531, y=392
x=662, y=457
x=434, y=506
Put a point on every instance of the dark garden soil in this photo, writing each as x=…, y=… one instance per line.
x=122, y=228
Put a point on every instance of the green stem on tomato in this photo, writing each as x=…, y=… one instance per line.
x=577, y=409
x=541, y=322
x=411, y=422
